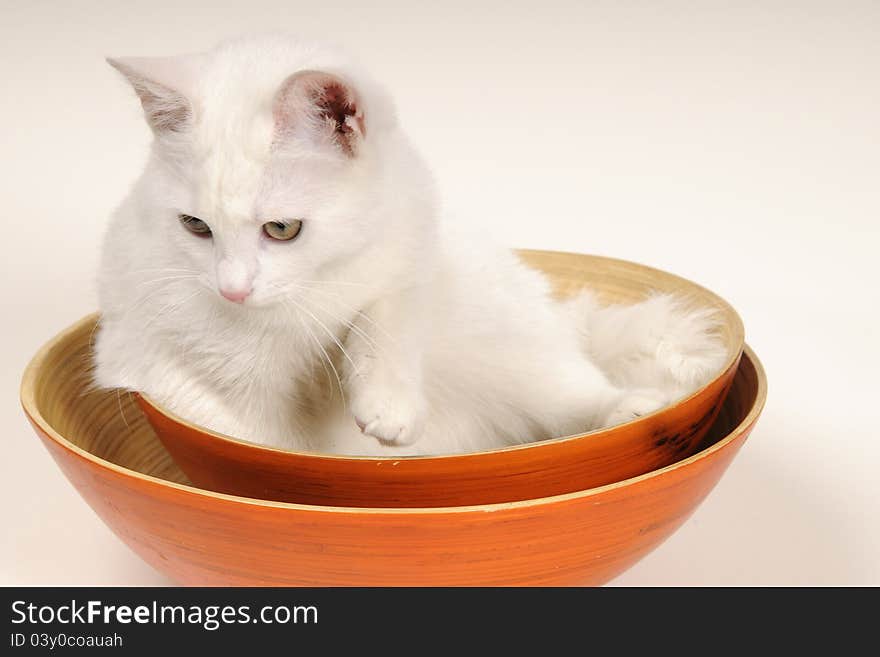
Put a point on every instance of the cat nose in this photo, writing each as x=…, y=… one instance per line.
x=235, y=295
x=234, y=279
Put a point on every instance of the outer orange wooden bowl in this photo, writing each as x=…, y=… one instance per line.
x=108, y=451
x=550, y=467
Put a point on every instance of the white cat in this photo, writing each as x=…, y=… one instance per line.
x=279, y=273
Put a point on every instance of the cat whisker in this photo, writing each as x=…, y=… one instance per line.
x=333, y=282
x=170, y=307
x=329, y=333
x=334, y=296
x=92, y=334
x=119, y=403
x=165, y=269
x=323, y=364
x=152, y=293
x=326, y=356
x=374, y=346
x=179, y=277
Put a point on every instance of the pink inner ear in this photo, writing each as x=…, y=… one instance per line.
x=322, y=104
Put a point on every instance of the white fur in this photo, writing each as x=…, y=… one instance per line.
x=378, y=314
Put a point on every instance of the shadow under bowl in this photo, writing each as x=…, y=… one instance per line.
x=550, y=467
x=108, y=451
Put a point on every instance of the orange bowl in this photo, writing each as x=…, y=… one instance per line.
x=550, y=467
x=108, y=451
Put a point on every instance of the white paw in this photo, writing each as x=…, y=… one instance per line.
x=634, y=405
x=387, y=409
x=688, y=351
x=691, y=363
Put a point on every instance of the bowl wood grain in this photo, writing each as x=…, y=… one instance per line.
x=107, y=449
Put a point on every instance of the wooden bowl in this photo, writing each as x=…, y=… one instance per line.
x=108, y=451
x=551, y=467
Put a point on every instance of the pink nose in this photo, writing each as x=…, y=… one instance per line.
x=236, y=296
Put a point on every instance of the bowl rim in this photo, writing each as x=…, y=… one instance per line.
x=29, y=405
x=737, y=329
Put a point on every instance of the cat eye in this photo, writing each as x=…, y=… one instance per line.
x=195, y=225
x=283, y=231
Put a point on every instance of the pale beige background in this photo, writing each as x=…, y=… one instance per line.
x=737, y=144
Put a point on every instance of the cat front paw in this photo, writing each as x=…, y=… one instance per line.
x=390, y=411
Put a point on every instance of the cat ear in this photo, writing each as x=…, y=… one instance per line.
x=162, y=84
x=321, y=107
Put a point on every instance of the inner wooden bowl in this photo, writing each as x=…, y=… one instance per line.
x=107, y=449
x=551, y=467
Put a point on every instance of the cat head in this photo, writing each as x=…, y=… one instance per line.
x=271, y=168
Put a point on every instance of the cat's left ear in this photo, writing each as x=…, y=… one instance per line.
x=323, y=108
x=164, y=86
